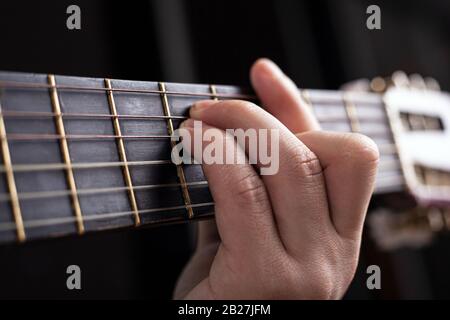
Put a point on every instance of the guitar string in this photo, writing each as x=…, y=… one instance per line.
x=20, y=85
x=385, y=166
x=5, y=226
x=44, y=136
x=10, y=226
x=17, y=136
x=331, y=96
x=109, y=164
x=81, y=165
x=30, y=115
x=98, y=191
x=385, y=148
x=16, y=85
x=41, y=114
x=87, y=165
x=49, y=136
x=373, y=132
x=382, y=182
x=24, y=114
x=95, y=191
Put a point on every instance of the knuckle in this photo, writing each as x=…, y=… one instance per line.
x=362, y=149
x=302, y=280
x=250, y=190
x=311, y=281
x=322, y=282
x=305, y=163
x=325, y=288
x=337, y=269
x=330, y=269
x=282, y=278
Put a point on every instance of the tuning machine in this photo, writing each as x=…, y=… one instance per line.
x=400, y=79
x=414, y=228
x=420, y=123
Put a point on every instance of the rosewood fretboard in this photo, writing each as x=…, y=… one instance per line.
x=82, y=154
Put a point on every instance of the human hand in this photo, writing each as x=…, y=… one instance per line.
x=292, y=235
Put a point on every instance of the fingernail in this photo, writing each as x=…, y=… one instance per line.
x=189, y=123
x=199, y=106
x=274, y=68
x=268, y=68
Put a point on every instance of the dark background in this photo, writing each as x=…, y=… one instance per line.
x=320, y=44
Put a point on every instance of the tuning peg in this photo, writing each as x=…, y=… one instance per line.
x=432, y=84
x=378, y=84
x=400, y=79
x=395, y=230
x=447, y=218
x=359, y=85
x=417, y=82
x=435, y=219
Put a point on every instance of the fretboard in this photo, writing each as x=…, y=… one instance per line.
x=82, y=154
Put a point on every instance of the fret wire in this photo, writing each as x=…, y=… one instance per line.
x=18, y=85
x=122, y=154
x=58, y=221
x=395, y=125
x=180, y=171
x=66, y=154
x=14, y=198
x=350, y=109
x=213, y=90
x=95, y=191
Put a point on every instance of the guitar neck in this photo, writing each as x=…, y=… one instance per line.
x=84, y=154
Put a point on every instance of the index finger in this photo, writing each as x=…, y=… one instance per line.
x=281, y=97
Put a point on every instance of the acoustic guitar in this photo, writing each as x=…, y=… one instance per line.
x=81, y=154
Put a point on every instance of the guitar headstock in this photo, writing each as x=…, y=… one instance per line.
x=419, y=114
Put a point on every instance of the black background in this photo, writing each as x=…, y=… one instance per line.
x=320, y=44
